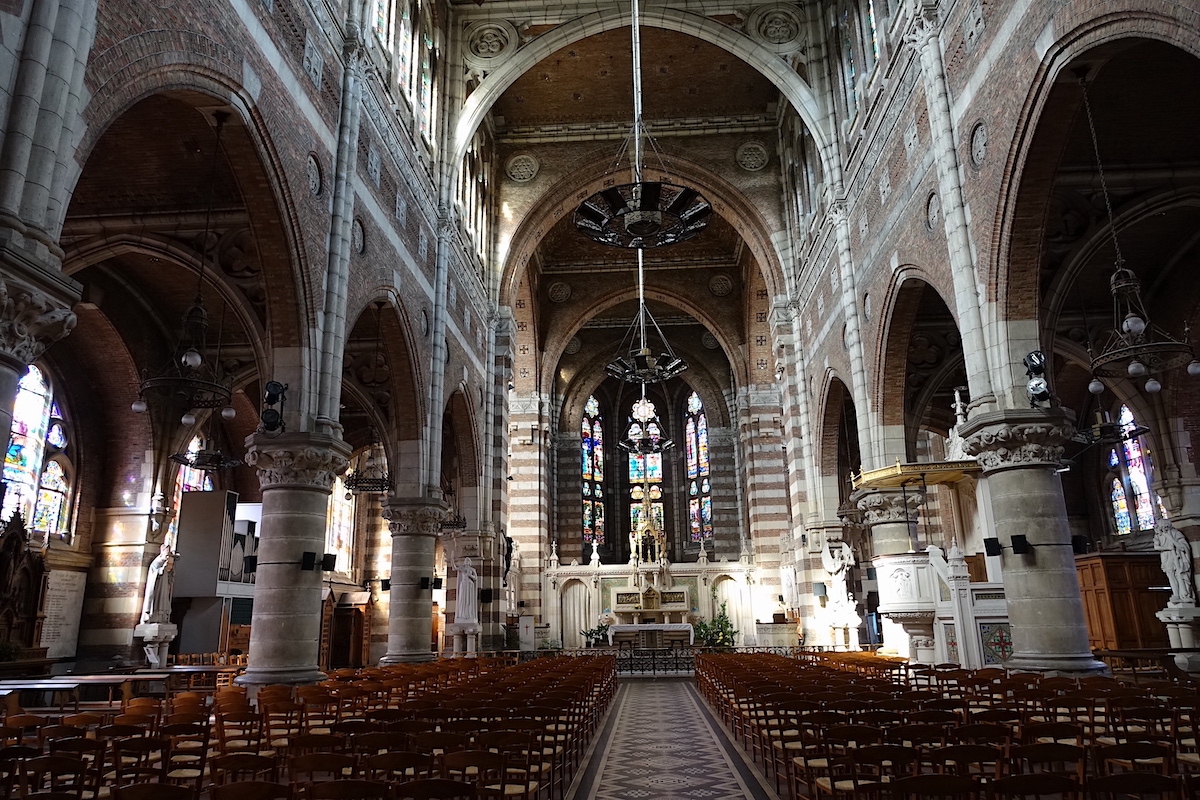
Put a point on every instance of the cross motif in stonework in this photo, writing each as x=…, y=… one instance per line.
x=524, y=349
x=760, y=340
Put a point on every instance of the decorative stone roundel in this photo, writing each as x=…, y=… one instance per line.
x=978, y=144
x=358, y=237
x=752, y=156
x=709, y=341
x=559, y=292
x=933, y=211
x=779, y=27
x=424, y=323
x=522, y=167
x=720, y=285
x=573, y=346
x=490, y=43
x=314, y=174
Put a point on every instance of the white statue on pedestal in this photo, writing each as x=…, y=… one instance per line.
x=837, y=562
x=160, y=578
x=1175, y=556
x=466, y=607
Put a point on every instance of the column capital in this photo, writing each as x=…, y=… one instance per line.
x=35, y=305
x=297, y=459
x=882, y=506
x=1014, y=439
x=413, y=516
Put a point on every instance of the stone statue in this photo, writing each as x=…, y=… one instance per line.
x=160, y=579
x=466, y=607
x=837, y=562
x=1175, y=556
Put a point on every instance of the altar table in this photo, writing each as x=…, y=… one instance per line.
x=613, y=630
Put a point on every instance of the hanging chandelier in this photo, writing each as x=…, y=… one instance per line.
x=370, y=475
x=1136, y=348
x=642, y=214
x=191, y=381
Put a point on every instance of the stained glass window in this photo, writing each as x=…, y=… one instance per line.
x=380, y=23
x=339, y=525
x=1135, y=507
x=187, y=479
x=1120, y=507
x=871, y=25
x=425, y=102
x=695, y=434
x=592, y=453
x=36, y=467
x=850, y=72
x=645, y=471
x=404, y=48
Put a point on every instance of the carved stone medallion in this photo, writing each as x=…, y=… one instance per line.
x=522, y=168
x=752, y=156
x=779, y=27
x=314, y=175
x=489, y=43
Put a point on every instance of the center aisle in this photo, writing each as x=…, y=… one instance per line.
x=661, y=743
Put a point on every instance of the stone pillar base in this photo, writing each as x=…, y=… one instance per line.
x=290, y=677
x=1051, y=664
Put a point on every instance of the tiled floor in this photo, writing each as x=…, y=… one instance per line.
x=660, y=742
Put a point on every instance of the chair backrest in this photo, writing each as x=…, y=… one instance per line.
x=399, y=766
x=53, y=773
x=152, y=791
x=350, y=789
x=1040, y=784
x=252, y=790
x=1138, y=784
x=435, y=789
x=950, y=787
x=243, y=767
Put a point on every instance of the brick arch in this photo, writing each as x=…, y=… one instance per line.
x=556, y=344
x=1012, y=276
x=897, y=320
x=837, y=396
x=406, y=383
x=462, y=419
x=795, y=89
x=205, y=81
x=589, y=177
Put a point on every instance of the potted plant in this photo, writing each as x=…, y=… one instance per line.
x=717, y=632
x=595, y=636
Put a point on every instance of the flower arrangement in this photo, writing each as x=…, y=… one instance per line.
x=596, y=635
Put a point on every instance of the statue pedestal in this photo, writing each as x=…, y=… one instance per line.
x=1181, y=622
x=156, y=638
x=466, y=638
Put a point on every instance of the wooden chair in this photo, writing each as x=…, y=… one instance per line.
x=435, y=789
x=308, y=770
x=187, y=753
x=93, y=753
x=53, y=774
x=399, y=767
x=241, y=732
x=981, y=762
x=864, y=770
x=1050, y=758
x=139, y=759
x=1138, y=757
x=242, y=767
x=252, y=790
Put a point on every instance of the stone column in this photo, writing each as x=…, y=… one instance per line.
x=297, y=471
x=890, y=516
x=1019, y=451
x=414, y=525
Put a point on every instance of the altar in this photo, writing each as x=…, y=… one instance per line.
x=654, y=635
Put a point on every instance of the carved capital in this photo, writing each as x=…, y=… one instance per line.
x=297, y=460
x=420, y=518
x=1007, y=444
x=883, y=507
x=30, y=321
x=924, y=29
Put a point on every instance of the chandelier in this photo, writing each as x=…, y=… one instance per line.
x=369, y=475
x=644, y=213
x=191, y=381
x=1136, y=347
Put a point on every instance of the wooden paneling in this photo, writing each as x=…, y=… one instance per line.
x=1118, y=603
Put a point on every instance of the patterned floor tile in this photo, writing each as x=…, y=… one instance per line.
x=665, y=746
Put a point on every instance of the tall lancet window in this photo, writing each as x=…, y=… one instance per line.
x=695, y=437
x=592, y=450
x=187, y=479
x=645, y=471
x=1134, y=505
x=339, y=525
x=37, y=466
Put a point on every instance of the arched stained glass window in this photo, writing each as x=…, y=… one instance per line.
x=37, y=466
x=592, y=451
x=187, y=479
x=425, y=94
x=700, y=524
x=645, y=471
x=1134, y=506
x=339, y=526
x=1120, y=507
x=404, y=48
